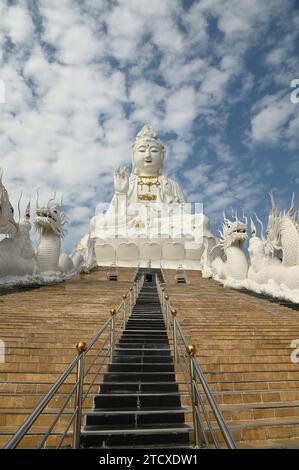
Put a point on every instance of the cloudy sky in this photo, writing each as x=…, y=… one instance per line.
x=212, y=76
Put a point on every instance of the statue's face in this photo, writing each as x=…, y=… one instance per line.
x=148, y=157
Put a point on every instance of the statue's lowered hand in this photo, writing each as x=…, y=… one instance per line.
x=121, y=181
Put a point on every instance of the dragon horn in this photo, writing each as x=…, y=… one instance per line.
x=274, y=209
x=52, y=199
x=37, y=197
x=19, y=203
x=262, y=226
x=291, y=209
x=27, y=212
x=224, y=217
x=253, y=227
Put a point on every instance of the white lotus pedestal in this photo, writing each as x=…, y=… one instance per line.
x=168, y=253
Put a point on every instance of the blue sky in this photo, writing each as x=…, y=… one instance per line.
x=212, y=76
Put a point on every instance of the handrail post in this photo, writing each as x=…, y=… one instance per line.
x=175, y=346
x=112, y=333
x=131, y=299
x=166, y=311
x=81, y=348
x=162, y=299
x=124, y=311
x=191, y=350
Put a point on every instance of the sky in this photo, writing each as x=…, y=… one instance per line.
x=213, y=77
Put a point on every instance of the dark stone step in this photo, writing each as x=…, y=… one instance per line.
x=136, y=400
x=153, y=334
x=135, y=419
x=139, y=377
x=121, y=358
x=141, y=367
x=135, y=387
x=166, y=438
x=140, y=341
x=143, y=352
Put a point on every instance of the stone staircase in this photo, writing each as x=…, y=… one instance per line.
x=139, y=402
x=40, y=328
x=243, y=345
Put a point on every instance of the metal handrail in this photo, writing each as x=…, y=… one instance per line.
x=194, y=378
x=126, y=306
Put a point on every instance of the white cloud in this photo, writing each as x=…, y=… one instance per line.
x=181, y=109
x=17, y=23
x=274, y=120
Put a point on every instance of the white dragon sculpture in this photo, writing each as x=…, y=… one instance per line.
x=8, y=225
x=49, y=222
x=16, y=251
x=234, y=235
x=18, y=259
x=282, y=238
x=282, y=233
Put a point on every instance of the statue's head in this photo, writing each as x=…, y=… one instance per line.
x=148, y=152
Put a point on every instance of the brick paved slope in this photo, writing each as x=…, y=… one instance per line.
x=243, y=345
x=40, y=328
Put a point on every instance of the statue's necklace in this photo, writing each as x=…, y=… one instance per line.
x=148, y=181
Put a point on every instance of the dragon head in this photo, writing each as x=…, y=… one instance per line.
x=275, y=221
x=234, y=233
x=50, y=218
x=8, y=224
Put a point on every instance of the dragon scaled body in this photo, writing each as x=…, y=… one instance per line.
x=49, y=222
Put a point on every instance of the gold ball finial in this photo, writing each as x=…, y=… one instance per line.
x=81, y=347
x=166, y=297
x=163, y=289
x=124, y=296
x=191, y=350
x=174, y=311
x=113, y=312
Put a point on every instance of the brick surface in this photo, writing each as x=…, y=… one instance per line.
x=41, y=328
x=243, y=347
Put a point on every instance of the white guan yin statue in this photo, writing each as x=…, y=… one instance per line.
x=234, y=235
x=148, y=219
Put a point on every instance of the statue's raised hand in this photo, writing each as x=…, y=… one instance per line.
x=121, y=180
